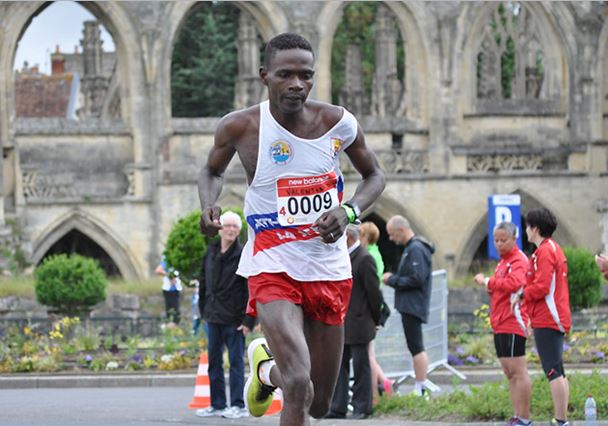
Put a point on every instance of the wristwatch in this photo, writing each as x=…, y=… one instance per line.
x=356, y=209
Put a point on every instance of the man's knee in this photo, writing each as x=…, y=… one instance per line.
x=297, y=388
x=320, y=407
x=555, y=372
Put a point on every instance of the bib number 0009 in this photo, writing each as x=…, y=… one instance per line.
x=306, y=205
x=301, y=201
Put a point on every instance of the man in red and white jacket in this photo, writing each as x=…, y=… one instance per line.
x=548, y=302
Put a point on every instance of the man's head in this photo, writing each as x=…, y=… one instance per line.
x=288, y=71
x=352, y=234
x=399, y=230
x=231, y=227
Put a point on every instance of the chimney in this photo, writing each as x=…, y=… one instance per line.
x=57, y=62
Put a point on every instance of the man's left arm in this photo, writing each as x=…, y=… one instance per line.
x=333, y=223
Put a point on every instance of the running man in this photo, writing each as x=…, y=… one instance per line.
x=296, y=258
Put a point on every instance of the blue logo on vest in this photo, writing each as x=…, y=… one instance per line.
x=281, y=152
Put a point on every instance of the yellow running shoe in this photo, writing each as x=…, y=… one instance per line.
x=257, y=395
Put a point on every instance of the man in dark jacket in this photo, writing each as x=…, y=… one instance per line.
x=359, y=329
x=412, y=284
x=222, y=301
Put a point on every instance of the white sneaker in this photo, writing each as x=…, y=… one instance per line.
x=209, y=412
x=235, y=413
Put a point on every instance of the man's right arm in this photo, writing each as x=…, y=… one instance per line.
x=211, y=177
x=413, y=273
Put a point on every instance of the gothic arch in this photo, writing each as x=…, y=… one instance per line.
x=478, y=230
x=418, y=59
x=386, y=207
x=95, y=230
x=110, y=14
x=270, y=20
x=556, y=49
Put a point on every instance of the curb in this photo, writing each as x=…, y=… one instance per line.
x=187, y=378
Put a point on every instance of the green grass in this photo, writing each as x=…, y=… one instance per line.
x=491, y=402
x=24, y=287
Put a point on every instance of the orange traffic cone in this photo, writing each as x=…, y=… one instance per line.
x=202, y=392
x=277, y=403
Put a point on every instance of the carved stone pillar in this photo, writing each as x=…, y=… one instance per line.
x=94, y=84
x=352, y=95
x=387, y=89
x=248, y=88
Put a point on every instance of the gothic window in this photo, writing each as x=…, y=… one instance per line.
x=368, y=61
x=510, y=56
x=61, y=84
x=215, y=62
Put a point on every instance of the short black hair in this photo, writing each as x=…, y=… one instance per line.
x=285, y=41
x=542, y=219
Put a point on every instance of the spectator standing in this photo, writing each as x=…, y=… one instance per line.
x=359, y=330
x=196, y=312
x=510, y=327
x=412, y=284
x=172, y=288
x=222, y=299
x=370, y=234
x=548, y=302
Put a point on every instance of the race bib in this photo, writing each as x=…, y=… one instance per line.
x=301, y=200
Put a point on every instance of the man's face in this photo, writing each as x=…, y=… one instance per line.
x=230, y=231
x=289, y=78
x=395, y=234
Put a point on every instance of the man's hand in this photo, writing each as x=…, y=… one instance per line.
x=210, y=221
x=386, y=276
x=331, y=224
x=244, y=329
x=602, y=263
x=480, y=279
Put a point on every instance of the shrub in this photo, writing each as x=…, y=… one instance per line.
x=186, y=245
x=70, y=284
x=584, y=278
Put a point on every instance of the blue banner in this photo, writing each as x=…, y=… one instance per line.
x=503, y=208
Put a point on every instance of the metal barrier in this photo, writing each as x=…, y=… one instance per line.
x=391, y=350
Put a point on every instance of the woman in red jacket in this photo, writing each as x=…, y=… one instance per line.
x=510, y=326
x=548, y=302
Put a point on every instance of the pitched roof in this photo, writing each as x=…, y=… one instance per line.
x=39, y=95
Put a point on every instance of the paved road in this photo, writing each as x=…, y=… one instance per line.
x=122, y=406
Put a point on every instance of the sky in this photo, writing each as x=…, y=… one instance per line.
x=59, y=24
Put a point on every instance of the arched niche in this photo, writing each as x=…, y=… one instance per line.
x=474, y=20
x=419, y=73
x=478, y=231
x=269, y=17
x=111, y=15
x=94, y=229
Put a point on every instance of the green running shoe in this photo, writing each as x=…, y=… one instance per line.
x=257, y=395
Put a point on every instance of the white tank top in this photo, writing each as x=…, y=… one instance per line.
x=296, y=180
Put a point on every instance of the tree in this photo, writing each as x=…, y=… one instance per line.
x=204, y=64
x=584, y=278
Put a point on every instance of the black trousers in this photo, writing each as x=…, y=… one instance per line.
x=362, y=388
x=172, y=305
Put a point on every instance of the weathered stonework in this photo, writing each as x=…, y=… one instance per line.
x=124, y=178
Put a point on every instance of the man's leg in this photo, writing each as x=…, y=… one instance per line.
x=216, y=366
x=412, y=327
x=549, y=344
x=325, y=343
x=339, y=403
x=362, y=395
x=235, y=341
x=283, y=325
